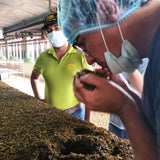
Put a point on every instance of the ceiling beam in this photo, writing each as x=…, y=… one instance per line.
x=25, y=24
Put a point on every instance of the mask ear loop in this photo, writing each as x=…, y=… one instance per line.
x=102, y=33
x=109, y=72
x=120, y=32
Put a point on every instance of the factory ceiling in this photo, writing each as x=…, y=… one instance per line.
x=18, y=17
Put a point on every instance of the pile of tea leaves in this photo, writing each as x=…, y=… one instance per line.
x=33, y=130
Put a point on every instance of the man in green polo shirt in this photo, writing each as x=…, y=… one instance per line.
x=58, y=66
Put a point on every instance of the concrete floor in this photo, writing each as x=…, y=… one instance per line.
x=22, y=83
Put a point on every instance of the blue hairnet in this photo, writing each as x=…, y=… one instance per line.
x=77, y=17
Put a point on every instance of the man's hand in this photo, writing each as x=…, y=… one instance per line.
x=40, y=98
x=107, y=96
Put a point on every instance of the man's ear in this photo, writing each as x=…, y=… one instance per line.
x=107, y=10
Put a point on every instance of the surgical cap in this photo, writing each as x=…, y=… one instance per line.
x=77, y=17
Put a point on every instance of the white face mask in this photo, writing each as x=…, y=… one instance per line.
x=127, y=62
x=56, y=38
x=129, y=59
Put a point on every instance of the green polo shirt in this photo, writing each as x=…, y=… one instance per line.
x=58, y=76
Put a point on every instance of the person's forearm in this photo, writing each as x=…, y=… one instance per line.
x=137, y=97
x=136, y=80
x=34, y=84
x=142, y=138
